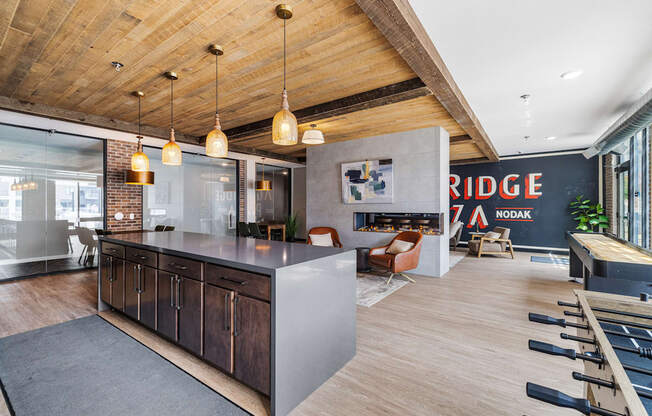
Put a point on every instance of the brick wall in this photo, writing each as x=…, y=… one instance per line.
x=609, y=162
x=123, y=198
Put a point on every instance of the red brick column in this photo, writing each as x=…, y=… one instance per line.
x=123, y=198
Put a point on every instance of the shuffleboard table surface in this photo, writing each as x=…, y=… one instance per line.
x=608, y=249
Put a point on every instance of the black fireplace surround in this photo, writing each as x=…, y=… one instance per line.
x=386, y=222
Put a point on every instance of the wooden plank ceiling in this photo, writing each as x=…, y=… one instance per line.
x=56, y=54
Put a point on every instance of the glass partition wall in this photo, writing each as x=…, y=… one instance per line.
x=273, y=206
x=51, y=200
x=198, y=196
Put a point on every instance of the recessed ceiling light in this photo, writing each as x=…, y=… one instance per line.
x=550, y=137
x=571, y=74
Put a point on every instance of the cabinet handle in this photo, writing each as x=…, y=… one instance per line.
x=237, y=282
x=235, y=316
x=178, y=266
x=173, y=278
x=135, y=280
x=179, y=304
x=138, y=256
x=226, y=311
x=140, y=279
x=110, y=262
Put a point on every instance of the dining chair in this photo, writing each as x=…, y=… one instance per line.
x=254, y=231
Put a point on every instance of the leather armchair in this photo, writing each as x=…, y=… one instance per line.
x=401, y=262
x=326, y=230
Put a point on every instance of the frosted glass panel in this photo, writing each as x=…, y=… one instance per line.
x=198, y=196
x=48, y=183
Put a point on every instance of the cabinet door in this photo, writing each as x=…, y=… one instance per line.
x=131, y=290
x=252, y=342
x=167, y=310
x=217, y=326
x=105, y=278
x=148, y=296
x=189, y=303
x=118, y=284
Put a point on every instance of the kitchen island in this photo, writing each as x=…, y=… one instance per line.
x=280, y=317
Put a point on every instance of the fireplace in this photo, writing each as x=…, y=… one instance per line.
x=384, y=222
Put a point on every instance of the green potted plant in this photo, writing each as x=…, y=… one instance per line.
x=291, y=226
x=589, y=216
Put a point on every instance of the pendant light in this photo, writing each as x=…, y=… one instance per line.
x=312, y=136
x=284, y=126
x=139, y=173
x=217, y=145
x=171, y=151
x=263, y=185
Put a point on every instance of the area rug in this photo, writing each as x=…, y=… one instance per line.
x=550, y=259
x=372, y=288
x=455, y=257
x=89, y=367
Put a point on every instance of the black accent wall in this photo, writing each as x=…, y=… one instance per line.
x=529, y=195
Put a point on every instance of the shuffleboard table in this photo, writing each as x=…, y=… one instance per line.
x=609, y=264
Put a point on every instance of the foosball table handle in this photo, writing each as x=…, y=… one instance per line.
x=545, y=319
x=546, y=348
x=557, y=398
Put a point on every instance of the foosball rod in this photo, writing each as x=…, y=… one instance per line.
x=549, y=320
x=616, y=312
x=644, y=352
x=609, y=384
x=610, y=320
x=550, y=349
x=560, y=399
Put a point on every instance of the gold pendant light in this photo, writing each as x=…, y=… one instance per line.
x=171, y=151
x=263, y=185
x=217, y=145
x=284, y=127
x=139, y=173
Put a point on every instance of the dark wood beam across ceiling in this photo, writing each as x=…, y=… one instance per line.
x=389, y=94
x=399, y=24
x=43, y=110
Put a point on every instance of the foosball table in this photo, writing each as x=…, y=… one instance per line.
x=614, y=334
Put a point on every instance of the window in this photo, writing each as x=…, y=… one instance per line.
x=198, y=196
x=633, y=189
x=273, y=206
x=51, y=200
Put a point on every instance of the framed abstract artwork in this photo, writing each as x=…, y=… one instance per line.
x=367, y=182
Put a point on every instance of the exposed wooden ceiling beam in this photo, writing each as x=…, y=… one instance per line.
x=43, y=110
x=399, y=24
x=388, y=94
x=461, y=139
x=470, y=161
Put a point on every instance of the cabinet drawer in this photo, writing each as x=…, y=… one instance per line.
x=144, y=257
x=181, y=266
x=252, y=284
x=114, y=250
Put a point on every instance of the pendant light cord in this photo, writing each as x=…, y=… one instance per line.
x=284, y=53
x=216, y=83
x=139, y=116
x=171, y=103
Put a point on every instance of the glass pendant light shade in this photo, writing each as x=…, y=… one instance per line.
x=312, y=136
x=139, y=160
x=171, y=152
x=285, y=131
x=217, y=145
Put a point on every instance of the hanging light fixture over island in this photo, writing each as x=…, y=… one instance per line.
x=171, y=153
x=284, y=126
x=217, y=144
x=139, y=174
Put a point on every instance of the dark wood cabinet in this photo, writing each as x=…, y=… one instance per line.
x=167, y=309
x=148, y=297
x=189, y=304
x=131, y=290
x=251, y=333
x=112, y=281
x=218, y=343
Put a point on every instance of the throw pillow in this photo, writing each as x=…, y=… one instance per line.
x=492, y=235
x=399, y=246
x=322, y=240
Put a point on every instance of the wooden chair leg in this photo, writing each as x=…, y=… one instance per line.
x=480, y=248
x=408, y=277
x=390, y=279
x=511, y=248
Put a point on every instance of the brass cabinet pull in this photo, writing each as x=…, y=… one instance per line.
x=179, y=304
x=235, y=316
x=226, y=311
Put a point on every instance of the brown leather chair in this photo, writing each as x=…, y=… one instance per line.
x=326, y=230
x=398, y=263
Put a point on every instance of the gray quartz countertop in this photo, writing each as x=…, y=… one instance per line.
x=260, y=256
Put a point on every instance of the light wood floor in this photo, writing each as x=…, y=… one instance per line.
x=450, y=346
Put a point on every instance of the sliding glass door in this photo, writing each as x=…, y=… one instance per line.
x=51, y=200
